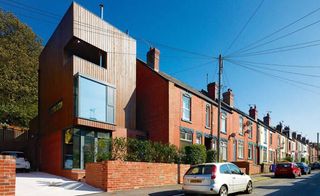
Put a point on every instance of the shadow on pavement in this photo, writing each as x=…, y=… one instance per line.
x=167, y=193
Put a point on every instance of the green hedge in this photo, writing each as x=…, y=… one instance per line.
x=211, y=156
x=195, y=154
x=128, y=149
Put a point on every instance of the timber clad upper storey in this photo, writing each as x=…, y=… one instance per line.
x=89, y=68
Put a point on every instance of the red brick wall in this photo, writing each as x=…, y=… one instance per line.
x=152, y=103
x=119, y=175
x=7, y=175
x=248, y=167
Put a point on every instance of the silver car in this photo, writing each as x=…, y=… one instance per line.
x=216, y=178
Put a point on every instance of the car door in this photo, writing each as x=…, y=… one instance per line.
x=239, y=180
x=225, y=177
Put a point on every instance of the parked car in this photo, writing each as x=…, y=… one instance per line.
x=216, y=178
x=315, y=165
x=21, y=162
x=305, y=169
x=287, y=169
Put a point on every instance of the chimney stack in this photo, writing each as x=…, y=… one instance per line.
x=253, y=112
x=307, y=141
x=101, y=11
x=212, y=89
x=267, y=119
x=299, y=137
x=153, y=59
x=228, y=97
x=294, y=135
x=303, y=139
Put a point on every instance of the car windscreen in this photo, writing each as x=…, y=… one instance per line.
x=200, y=170
x=300, y=164
x=284, y=165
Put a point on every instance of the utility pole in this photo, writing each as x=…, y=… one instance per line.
x=317, y=146
x=219, y=106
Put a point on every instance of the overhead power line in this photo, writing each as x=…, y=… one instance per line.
x=278, y=65
x=275, y=32
x=277, y=70
x=245, y=25
x=281, y=37
x=275, y=76
x=194, y=67
x=276, y=50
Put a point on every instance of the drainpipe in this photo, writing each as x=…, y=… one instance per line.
x=101, y=16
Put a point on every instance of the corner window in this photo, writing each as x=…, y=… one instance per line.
x=223, y=122
x=240, y=149
x=241, y=125
x=94, y=100
x=186, y=107
x=207, y=116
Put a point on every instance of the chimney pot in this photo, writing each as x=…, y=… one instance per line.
x=267, y=119
x=212, y=89
x=153, y=59
x=253, y=112
x=228, y=97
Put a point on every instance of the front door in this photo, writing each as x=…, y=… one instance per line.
x=234, y=150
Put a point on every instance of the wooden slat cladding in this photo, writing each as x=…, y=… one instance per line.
x=96, y=124
x=121, y=61
x=89, y=69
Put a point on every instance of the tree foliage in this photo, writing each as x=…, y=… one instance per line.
x=19, y=53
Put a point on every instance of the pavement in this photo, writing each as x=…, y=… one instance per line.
x=40, y=183
x=264, y=184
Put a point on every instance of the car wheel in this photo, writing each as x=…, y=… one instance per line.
x=309, y=171
x=249, y=188
x=223, y=191
x=294, y=175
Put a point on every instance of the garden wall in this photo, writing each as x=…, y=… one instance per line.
x=248, y=168
x=119, y=175
x=7, y=175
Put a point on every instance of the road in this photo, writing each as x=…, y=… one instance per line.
x=306, y=185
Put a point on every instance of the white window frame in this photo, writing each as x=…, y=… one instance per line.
x=184, y=109
x=208, y=115
x=224, y=150
x=241, y=125
x=198, y=139
x=240, y=149
x=250, y=151
x=224, y=120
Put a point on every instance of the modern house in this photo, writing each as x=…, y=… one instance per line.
x=87, y=91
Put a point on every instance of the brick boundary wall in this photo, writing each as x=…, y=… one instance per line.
x=7, y=175
x=248, y=168
x=119, y=175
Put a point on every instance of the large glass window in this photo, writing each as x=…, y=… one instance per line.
x=81, y=147
x=224, y=123
x=265, y=155
x=250, y=128
x=94, y=100
x=186, y=107
x=240, y=149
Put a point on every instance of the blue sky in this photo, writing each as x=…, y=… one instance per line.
x=208, y=27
